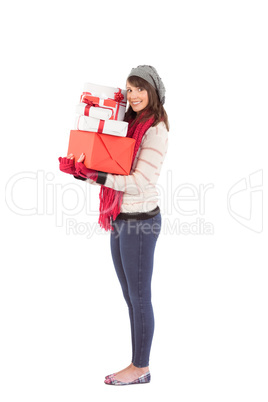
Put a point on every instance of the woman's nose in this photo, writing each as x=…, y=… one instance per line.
x=134, y=95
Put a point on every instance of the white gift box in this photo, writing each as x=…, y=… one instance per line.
x=111, y=127
x=104, y=92
x=107, y=97
x=93, y=111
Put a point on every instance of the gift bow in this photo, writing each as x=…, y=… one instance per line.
x=118, y=96
x=89, y=102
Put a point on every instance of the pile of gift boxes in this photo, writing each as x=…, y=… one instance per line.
x=100, y=132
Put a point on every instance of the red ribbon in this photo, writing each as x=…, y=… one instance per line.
x=88, y=106
x=101, y=125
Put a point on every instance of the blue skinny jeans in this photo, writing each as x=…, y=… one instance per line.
x=132, y=247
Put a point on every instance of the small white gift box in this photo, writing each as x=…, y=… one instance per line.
x=93, y=111
x=111, y=127
x=112, y=98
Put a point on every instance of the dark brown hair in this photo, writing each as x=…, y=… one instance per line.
x=154, y=107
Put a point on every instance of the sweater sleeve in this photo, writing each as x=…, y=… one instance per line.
x=148, y=164
x=100, y=180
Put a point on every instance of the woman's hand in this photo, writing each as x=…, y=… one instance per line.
x=83, y=171
x=81, y=158
x=67, y=164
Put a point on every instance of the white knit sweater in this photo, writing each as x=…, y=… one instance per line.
x=139, y=187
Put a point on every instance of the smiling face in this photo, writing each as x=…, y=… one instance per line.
x=137, y=97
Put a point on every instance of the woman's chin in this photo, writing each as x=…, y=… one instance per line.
x=137, y=109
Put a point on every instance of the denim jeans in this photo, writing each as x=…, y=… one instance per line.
x=132, y=247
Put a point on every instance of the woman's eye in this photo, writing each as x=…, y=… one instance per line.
x=140, y=89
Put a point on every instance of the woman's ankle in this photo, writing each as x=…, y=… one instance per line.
x=141, y=369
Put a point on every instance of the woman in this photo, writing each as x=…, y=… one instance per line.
x=128, y=207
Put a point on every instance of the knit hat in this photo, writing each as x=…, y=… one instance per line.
x=149, y=74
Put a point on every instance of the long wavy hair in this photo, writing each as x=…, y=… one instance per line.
x=154, y=107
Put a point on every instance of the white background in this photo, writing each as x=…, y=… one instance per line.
x=64, y=322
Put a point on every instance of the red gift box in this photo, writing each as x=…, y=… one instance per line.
x=106, y=153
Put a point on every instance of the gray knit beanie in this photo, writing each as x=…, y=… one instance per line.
x=149, y=74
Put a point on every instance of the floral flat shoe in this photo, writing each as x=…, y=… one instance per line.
x=145, y=378
x=109, y=375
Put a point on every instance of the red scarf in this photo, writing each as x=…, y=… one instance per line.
x=110, y=199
